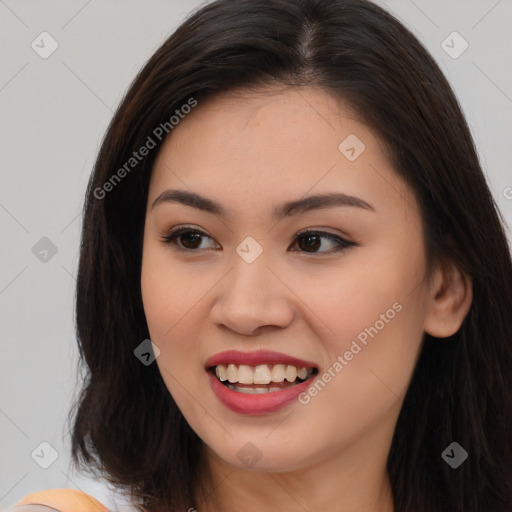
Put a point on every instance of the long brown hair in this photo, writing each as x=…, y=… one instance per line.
x=126, y=425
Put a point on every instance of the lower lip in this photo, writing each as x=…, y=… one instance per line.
x=259, y=403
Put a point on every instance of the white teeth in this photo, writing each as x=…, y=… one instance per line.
x=245, y=374
x=291, y=373
x=221, y=372
x=261, y=374
x=232, y=373
x=253, y=391
x=278, y=373
x=302, y=373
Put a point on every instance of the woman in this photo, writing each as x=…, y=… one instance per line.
x=289, y=205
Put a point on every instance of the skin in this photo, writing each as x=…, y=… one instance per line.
x=251, y=151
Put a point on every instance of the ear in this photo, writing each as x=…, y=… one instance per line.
x=449, y=300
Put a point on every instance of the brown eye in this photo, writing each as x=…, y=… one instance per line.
x=187, y=239
x=190, y=240
x=311, y=241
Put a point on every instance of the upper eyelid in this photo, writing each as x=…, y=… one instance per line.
x=321, y=231
x=342, y=240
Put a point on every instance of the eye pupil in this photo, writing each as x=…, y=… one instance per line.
x=312, y=241
x=193, y=237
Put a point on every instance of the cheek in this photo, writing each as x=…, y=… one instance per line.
x=167, y=306
x=171, y=297
x=374, y=308
x=374, y=293
x=370, y=362
x=156, y=300
x=168, y=291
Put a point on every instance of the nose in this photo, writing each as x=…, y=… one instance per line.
x=252, y=298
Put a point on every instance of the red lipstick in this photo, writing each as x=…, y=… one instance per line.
x=256, y=404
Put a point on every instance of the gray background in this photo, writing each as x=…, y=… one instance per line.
x=54, y=113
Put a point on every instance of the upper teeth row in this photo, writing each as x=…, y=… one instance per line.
x=261, y=374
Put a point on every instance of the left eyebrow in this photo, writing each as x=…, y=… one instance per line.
x=318, y=202
x=287, y=209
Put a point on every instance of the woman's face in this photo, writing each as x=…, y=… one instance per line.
x=245, y=293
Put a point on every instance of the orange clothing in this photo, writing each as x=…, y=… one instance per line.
x=64, y=500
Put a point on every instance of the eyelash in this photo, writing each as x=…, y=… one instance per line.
x=342, y=244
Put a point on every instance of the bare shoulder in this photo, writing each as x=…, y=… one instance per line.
x=60, y=500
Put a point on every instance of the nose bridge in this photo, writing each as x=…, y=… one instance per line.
x=251, y=296
x=250, y=277
x=249, y=283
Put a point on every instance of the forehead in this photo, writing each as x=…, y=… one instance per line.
x=271, y=142
x=271, y=118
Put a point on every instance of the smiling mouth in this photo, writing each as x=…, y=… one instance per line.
x=263, y=378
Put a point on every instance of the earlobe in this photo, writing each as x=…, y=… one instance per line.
x=449, y=301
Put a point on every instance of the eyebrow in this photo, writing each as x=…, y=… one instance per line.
x=287, y=209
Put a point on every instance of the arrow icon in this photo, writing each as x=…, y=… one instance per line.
x=249, y=455
x=247, y=252
x=44, y=250
x=454, y=455
x=454, y=45
x=147, y=352
x=351, y=147
x=44, y=45
x=44, y=455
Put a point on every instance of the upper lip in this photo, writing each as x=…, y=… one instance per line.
x=256, y=358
